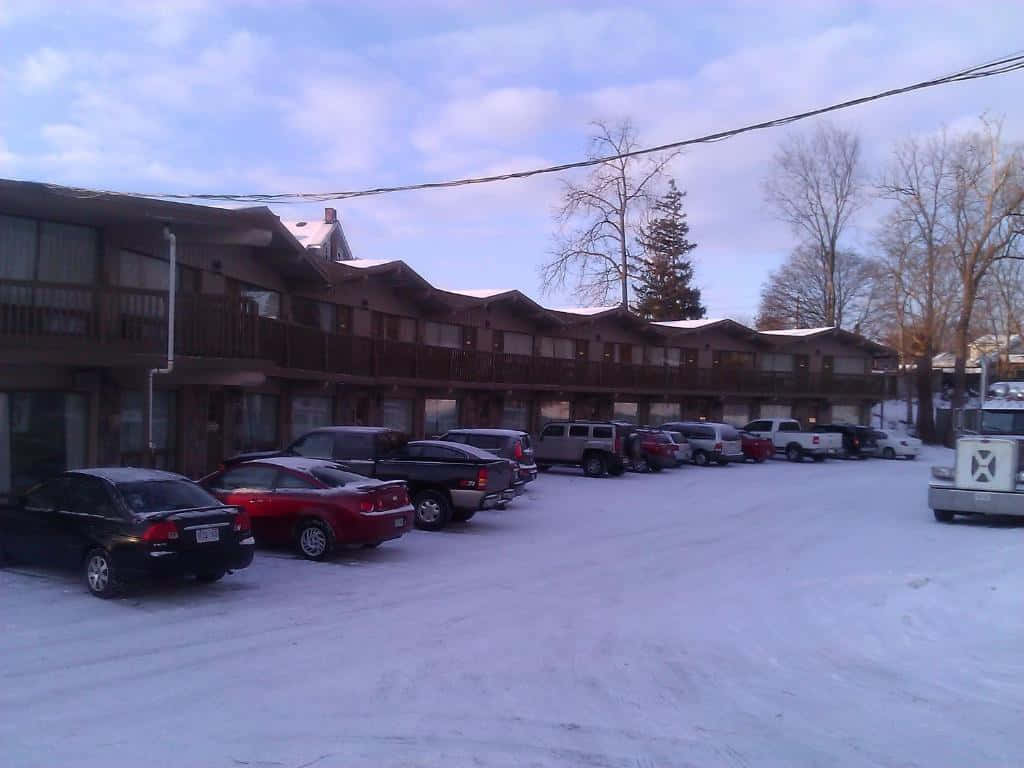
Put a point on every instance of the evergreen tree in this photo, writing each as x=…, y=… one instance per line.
x=664, y=289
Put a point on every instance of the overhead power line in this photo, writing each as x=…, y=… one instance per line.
x=1000, y=66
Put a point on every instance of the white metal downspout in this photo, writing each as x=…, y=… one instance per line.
x=172, y=258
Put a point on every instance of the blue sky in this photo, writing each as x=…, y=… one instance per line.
x=263, y=96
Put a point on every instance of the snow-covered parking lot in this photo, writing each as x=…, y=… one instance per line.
x=775, y=614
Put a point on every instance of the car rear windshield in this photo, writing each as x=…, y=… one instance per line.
x=728, y=433
x=336, y=478
x=148, y=496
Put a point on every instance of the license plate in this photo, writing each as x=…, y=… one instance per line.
x=399, y=522
x=206, y=535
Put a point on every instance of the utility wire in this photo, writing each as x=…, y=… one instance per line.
x=1001, y=66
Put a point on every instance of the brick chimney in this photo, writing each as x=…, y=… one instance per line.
x=330, y=215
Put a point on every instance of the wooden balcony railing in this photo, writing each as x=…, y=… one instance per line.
x=214, y=326
x=134, y=320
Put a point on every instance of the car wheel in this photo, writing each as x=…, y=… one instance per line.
x=700, y=459
x=616, y=470
x=723, y=462
x=209, y=577
x=100, y=576
x=654, y=467
x=944, y=515
x=759, y=460
x=433, y=510
x=314, y=539
x=794, y=452
x=889, y=453
x=594, y=465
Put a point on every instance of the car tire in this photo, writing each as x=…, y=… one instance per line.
x=943, y=515
x=210, y=577
x=617, y=469
x=314, y=539
x=700, y=458
x=889, y=453
x=723, y=462
x=654, y=467
x=433, y=510
x=463, y=515
x=759, y=460
x=100, y=574
x=794, y=452
x=594, y=465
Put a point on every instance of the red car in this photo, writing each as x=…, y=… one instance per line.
x=756, y=448
x=313, y=504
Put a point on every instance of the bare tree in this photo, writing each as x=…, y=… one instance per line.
x=920, y=281
x=797, y=294
x=986, y=201
x=599, y=219
x=816, y=188
x=1001, y=303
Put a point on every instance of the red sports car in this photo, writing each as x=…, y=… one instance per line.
x=313, y=504
x=756, y=448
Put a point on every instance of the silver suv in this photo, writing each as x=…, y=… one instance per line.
x=596, y=446
x=710, y=441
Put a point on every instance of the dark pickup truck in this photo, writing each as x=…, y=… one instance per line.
x=446, y=481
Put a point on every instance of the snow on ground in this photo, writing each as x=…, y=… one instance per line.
x=770, y=615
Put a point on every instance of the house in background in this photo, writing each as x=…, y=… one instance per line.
x=324, y=240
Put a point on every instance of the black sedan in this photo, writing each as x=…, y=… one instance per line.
x=122, y=524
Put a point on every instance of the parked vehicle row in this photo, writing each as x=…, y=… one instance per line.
x=359, y=486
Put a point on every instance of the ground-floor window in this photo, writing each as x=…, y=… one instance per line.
x=737, y=414
x=133, y=427
x=396, y=414
x=515, y=414
x=308, y=413
x=256, y=423
x=554, y=410
x=439, y=416
x=625, y=411
x=41, y=435
x=776, y=411
x=846, y=414
x=662, y=412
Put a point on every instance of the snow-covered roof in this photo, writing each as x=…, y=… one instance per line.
x=801, y=331
x=311, y=234
x=478, y=293
x=367, y=263
x=584, y=311
x=704, y=321
x=1016, y=359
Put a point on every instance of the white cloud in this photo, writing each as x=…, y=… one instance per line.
x=500, y=115
x=7, y=158
x=43, y=68
x=349, y=119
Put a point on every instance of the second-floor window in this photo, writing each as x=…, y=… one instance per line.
x=655, y=355
x=615, y=352
x=149, y=273
x=315, y=314
x=513, y=343
x=681, y=357
x=563, y=349
x=771, y=361
x=47, y=251
x=268, y=302
x=442, y=335
x=394, y=327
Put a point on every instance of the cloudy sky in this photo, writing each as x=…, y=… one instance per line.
x=264, y=96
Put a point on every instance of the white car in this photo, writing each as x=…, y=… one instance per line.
x=893, y=446
x=684, y=454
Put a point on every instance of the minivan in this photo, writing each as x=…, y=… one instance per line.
x=710, y=442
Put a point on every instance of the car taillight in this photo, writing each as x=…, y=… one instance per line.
x=242, y=522
x=856, y=443
x=518, y=453
x=718, y=447
x=815, y=440
x=161, y=532
x=481, y=477
x=366, y=505
x=618, y=444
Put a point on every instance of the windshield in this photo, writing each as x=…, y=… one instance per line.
x=1002, y=422
x=336, y=478
x=151, y=496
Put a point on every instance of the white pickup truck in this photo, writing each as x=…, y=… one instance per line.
x=790, y=439
x=988, y=476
